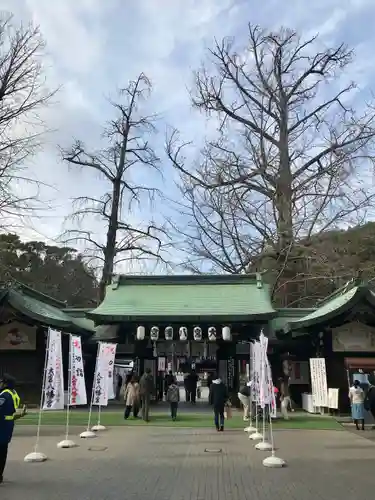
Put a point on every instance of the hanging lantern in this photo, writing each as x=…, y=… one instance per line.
x=141, y=332
x=197, y=333
x=168, y=332
x=226, y=334
x=183, y=333
x=154, y=334
x=212, y=334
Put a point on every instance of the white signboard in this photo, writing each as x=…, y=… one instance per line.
x=319, y=382
x=333, y=399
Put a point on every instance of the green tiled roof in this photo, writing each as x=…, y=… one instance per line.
x=38, y=310
x=219, y=297
x=46, y=311
x=332, y=307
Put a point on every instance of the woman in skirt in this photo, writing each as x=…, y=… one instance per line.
x=357, y=399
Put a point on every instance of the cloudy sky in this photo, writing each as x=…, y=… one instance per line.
x=95, y=46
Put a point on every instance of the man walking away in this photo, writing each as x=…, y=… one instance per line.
x=9, y=403
x=244, y=397
x=146, y=389
x=186, y=386
x=192, y=383
x=218, y=398
x=168, y=380
x=173, y=397
x=284, y=397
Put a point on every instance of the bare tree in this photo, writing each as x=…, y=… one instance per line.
x=127, y=150
x=23, y=94
x=290, y=158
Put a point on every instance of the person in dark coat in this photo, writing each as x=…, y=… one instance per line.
x=192, y=382
x=146, y=390
x=168, y=380
x=370, y=399
x=218, y=398
x=9, y=403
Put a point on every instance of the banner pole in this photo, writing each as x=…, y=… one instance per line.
x=89, y=434
x=250, y=427
x=255, y=436
x=37, y=456
x=68, y=443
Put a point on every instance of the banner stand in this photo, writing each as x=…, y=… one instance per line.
x=273, y=462
x=256, y=436
x=265, y=392
x=250, y=427
x=68, y=443
x=89, y=434
x=98, y=427
x=37, y=456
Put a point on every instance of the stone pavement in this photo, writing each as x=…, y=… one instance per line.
x=170, y=464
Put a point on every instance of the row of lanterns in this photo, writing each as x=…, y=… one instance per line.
x=183, y=333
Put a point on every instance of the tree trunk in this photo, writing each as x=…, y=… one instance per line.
x=110, y=247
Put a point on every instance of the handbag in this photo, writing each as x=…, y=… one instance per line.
x=227, y=412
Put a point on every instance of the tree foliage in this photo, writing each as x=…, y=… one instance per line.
x=126, y=157
x=289, y=160
x=55, y=271
x=23, y=95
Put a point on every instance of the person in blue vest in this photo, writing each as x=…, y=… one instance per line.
x=9, y=403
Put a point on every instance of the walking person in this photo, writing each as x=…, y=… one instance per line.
x=370, y=400
x=192, y=384
x=146, y=389
x=187, y=389
x=173, y=398
x=244, y=397
x=284, y=397
x=357, y=402
x=168, y=379
x=119, y=383
x=132, y=398
x=218, y=398
x=9, y=403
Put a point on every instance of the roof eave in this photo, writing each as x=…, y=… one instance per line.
x=223, y=318
x=305, y=324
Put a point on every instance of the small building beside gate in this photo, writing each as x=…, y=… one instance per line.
x=25, y=316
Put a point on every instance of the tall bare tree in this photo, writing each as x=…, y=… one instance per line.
x=23, y=94
x=119, y=163
x=292, y=156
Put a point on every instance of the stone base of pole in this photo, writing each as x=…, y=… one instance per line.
x=35, y=456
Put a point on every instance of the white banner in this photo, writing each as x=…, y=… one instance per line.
x=77, y=384
x=111, y=367
x=257, y=355
x=103, y=375
x=53, y=390
x=319, y=382
x=266, y=385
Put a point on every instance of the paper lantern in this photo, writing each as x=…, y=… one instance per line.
x=140, y=333
x=168, y=332
x=226, y=334
x=197, y=333
x=212, y=334
x=154, y=334
x=183, y=333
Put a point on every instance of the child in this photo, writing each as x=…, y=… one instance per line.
x=173, y=397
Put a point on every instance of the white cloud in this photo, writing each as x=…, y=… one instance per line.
x=95, y=46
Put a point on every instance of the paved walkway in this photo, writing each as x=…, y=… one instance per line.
x=171, y=464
